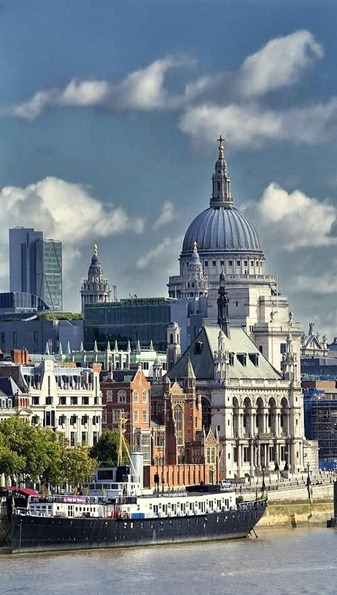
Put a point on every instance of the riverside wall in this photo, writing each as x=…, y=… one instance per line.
x=291, y=507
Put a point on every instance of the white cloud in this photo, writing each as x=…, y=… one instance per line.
x=244, y=125
x=228, y=102
x=295, y=220
x=254, y=127
x=63, y=211
x=279, y=63
x=325, y=284
x=140, y=90
x=167, y=215
x=161, y=254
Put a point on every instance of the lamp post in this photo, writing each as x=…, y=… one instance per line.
x=308, y=481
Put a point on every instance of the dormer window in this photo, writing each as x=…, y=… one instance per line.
x=242, y=357
x=254, y=358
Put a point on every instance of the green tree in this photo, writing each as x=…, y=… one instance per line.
x=54, y=444
x=38, y=450
x=28, y=442
x=11, y=464
x=77, y=465
x=106, y=449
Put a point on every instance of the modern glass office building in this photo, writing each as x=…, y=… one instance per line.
x=35, y=265
x=52, y=274
x=136, y=319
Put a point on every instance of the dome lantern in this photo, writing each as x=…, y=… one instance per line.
x=221, y=182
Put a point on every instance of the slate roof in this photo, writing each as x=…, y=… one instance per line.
x=201, y=353
x=124, y=375
x=8, y=387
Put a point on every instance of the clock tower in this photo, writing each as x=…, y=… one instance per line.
x=95, y=288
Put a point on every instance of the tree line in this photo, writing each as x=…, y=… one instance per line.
x=35, y=455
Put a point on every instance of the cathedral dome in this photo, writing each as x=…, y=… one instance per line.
x=221, y=228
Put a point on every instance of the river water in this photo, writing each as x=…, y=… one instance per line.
x=280, y=561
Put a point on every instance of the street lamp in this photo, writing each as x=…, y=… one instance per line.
x=308, y=481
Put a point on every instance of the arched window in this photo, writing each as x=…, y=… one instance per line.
x=272, y=416
x=178, y=419
x=206, y=413
x=259, y=415
x=284, y=416
x=247, y=416
x=236, y=417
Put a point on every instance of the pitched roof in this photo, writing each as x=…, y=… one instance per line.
x=8, y=387
x=247, y=361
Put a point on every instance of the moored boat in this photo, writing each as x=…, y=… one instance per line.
x=117, y=512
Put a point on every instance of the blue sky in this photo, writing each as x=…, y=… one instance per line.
x=109, y=115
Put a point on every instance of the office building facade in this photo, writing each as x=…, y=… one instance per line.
x=35, y=266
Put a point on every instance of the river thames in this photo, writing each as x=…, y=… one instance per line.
x=281, y=561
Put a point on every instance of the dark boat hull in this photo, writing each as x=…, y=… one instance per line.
x=34, y=534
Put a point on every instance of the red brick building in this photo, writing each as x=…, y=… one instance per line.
x=126, y=393
x=182, y=452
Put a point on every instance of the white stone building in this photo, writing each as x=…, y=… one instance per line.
x=246, y=357
x=65, y=398
x=256, y=411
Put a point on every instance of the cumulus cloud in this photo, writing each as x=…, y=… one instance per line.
x=167, y=215
x=296, y=220
x=252, y=126
x=233, y=102
x=140, y=90
x=162, y=253
x=63, y=211
x=279, y=63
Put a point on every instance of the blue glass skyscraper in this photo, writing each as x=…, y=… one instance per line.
x=35, y=265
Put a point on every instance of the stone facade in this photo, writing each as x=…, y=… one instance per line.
x=63, y=398
x=256, y=410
